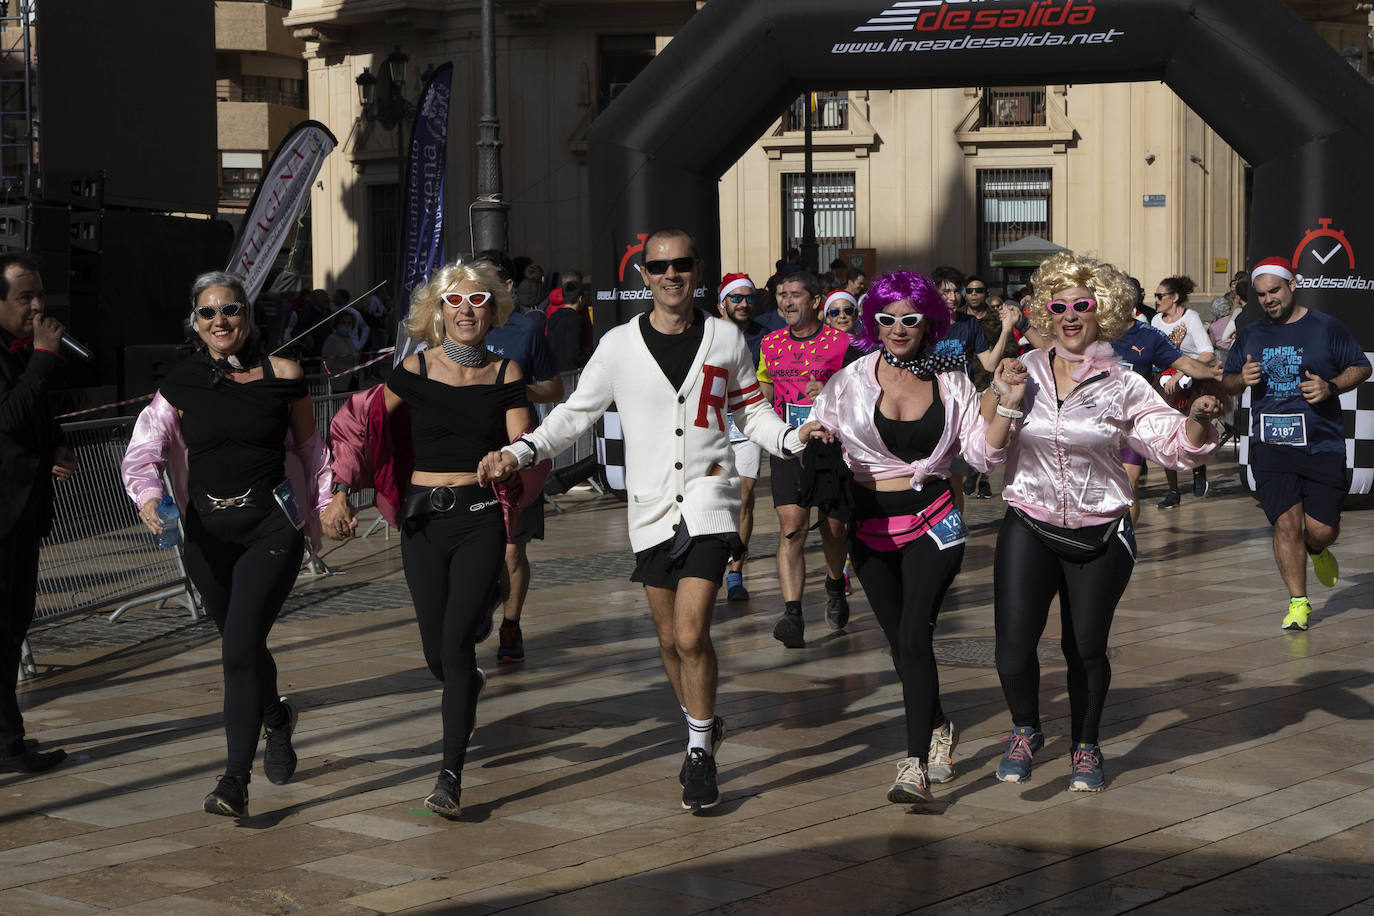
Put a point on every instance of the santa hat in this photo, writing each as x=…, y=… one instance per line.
x=731, y=282
x=1279, y=267
x=837, y=296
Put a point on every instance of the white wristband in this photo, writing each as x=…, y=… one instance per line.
x=1009, y=413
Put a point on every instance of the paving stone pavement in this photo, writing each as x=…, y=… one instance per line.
x=1240, y=758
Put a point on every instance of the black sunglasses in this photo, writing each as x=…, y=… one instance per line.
x=736, y=298
x=228, y=310
x=681, y=265
x=841, y=310
x=970, y=290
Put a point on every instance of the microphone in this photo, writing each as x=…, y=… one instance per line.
x=76, y=347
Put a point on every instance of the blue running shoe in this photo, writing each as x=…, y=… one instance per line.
x=734, y=587
x=1087, y=768
x=1022, y=744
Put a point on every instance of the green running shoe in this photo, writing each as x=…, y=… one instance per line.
x=1327, y=569
x=1298, y=612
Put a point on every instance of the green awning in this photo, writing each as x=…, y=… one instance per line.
x=1024, y=252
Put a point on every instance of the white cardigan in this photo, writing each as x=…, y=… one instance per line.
x=672, y=438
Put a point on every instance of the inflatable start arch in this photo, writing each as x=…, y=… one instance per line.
x=1263, y=79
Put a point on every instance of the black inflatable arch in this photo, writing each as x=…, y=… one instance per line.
x=1260, y=76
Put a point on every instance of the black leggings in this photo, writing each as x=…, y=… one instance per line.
x=453, y=565
x=244, y=561
x=1026, y=577
x=905, y=588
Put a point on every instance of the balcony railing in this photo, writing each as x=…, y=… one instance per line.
x=832, y=112
x=1012, y=108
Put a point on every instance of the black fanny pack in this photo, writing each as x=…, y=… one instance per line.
x=426, y=501
x=1073, y=545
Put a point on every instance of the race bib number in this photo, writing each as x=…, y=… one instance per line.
x=798, y=414
x=1283, y=429
x=949, y=531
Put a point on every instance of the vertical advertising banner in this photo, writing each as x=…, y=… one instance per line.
x=284, y=187
x=422, y=225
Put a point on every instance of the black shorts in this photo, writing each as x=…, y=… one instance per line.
x=784, y=477
x=529, y=524
x=705, y=559
x=1285, y=477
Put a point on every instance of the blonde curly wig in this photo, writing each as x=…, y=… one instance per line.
x=1115, y=301
x=426, y=319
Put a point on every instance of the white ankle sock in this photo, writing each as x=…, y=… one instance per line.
x=699, y=733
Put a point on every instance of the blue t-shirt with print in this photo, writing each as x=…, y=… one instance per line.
x=964, y=338
x=1145, y=349
x=521, y=339
x=1279, y=415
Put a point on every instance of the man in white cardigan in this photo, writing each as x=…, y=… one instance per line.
x=672, y=374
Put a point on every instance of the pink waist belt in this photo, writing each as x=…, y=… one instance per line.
x=892, y=532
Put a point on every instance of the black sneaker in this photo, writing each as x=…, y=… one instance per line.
x=1200, y=485
x=789, y=630
x=717, y=739
x=25, y=757
x=443, y=801
x=511, y=647
x=984, y=489
x=699, y=788
x=477, y=695
x=230, y=797
x=279, y=757
x=836, y=606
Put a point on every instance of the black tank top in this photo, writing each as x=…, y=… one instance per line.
x=235, y=432
x=913, y=440
x=452, y=427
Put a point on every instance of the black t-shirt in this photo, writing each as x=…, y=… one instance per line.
x=452, y=427
x=235, y=432
x=674, y=352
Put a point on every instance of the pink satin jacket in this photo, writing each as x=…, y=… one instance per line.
x=1064, y=462
x=845, y=405
x=157, y=443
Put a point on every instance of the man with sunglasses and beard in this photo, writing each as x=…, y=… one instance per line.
x=736, y=303
x=673, y=374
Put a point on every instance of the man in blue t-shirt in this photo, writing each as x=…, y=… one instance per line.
x=1145, y=350
x=521, y=339
x=1296, y=363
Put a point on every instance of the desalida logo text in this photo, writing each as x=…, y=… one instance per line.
x=965, y=15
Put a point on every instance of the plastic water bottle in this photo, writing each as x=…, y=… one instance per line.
x=168, y=514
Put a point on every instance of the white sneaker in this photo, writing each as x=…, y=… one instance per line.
x=942, y=743
x=912, y=786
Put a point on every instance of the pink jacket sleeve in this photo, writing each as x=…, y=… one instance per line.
x=307, y=467
x=1158, y=431
x=155, y=445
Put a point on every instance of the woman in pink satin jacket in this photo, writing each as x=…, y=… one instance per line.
x=901, y=414
x=1067, y=531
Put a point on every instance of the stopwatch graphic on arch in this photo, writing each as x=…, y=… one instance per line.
x=1323, y=244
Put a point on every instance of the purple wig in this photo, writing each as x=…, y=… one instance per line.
x=919, y=290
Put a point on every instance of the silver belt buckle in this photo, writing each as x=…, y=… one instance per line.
x=442, y=499
x=241, y=501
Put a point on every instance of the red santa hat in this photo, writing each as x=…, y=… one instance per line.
x=731, y=282
x=839, y=295
x=1279, y=267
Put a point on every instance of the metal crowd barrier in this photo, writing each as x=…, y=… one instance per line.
x=583, y=448
x=98, y=551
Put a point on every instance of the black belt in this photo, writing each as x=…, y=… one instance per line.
x=441, y=500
